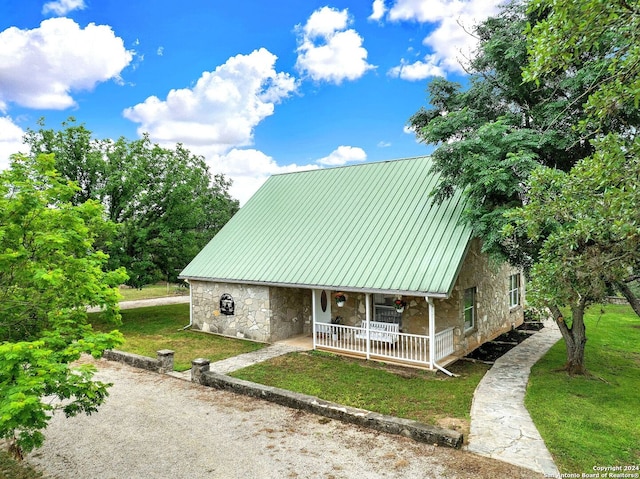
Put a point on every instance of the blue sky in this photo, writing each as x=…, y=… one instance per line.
x=255, y=87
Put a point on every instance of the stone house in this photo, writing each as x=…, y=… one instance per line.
x=417, y=288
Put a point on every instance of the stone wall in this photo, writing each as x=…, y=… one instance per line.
x=252, y=312
x=162, y=364
x=290, y=309
x=354, y=310
x=493, y=314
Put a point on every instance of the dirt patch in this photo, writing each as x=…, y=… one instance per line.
x=456, y=424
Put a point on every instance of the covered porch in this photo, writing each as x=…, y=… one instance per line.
x=379, y=336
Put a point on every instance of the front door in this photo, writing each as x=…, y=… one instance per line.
x=322, y=313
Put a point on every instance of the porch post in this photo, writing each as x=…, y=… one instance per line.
x=367, y=299
x=313, y=317
x=432, y=332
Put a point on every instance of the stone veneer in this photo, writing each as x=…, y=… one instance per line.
x=493, y=314
x=264, y=313
x=252, y=310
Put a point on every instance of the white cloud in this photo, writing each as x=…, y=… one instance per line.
x=222, y=109
x=67, y=58
x=418, y=70
x=343, y=155
x=249, y=169
x=378, y=10
x=451, y=41
x=327, y=50
x=10, y=141
x=160, y=51
x=383, y=144
x=62, y=7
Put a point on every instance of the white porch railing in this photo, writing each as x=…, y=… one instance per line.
x=411, y=348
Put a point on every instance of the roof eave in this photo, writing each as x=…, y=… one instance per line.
x=346, y=289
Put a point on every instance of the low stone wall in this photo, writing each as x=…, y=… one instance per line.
x=392, y=425
x=162, y=364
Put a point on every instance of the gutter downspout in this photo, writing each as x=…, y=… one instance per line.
x=313, y=316
x=367, y=320
x=190, y=306
x=432, y=338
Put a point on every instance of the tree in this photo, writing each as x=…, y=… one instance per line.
x=492, y=138
x=588, y=219
x=50, y=272
x=166, y=203
x=589, y=223
x=606, y=32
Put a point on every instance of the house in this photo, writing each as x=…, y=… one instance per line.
x=372, y=235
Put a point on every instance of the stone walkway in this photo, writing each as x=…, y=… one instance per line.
x=501, y=427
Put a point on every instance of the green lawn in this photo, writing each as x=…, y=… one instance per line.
x=159, y=290
x=595, y=420
x=402, y=392
x=146, y=330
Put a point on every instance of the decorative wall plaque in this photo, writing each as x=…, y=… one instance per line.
x=227, y=306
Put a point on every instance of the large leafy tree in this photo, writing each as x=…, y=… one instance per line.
x=50, y=271
x=494, y=134
x=491, y=135
x=588, y=222
x=588, y=219
x=166, y=202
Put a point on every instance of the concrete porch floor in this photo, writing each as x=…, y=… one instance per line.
x=303, y=342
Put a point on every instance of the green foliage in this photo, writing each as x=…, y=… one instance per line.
x=49, y=273
x=603, y=33
x=165, y=202
x=491, y=136
x=588, y=221
x=592, y=420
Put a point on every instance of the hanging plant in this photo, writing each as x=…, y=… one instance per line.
x=340, y=299
x=399, y=305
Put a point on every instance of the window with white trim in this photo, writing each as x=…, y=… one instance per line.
x=469, y=308
x=514, y=290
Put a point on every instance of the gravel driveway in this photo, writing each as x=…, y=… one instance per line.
x=155, y=426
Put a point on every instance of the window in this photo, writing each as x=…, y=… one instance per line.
x=514, y=290
x=384, y=311
x=469, y=308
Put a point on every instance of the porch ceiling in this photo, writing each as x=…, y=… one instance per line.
x=370, y=227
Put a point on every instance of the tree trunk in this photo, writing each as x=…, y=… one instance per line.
x=628, y=294
x=574, y=337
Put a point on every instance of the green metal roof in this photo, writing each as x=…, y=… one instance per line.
x=371, y=227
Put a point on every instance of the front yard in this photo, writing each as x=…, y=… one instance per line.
x=397, y=391
x=146, y=330
x=595, y=420
x=585, y=422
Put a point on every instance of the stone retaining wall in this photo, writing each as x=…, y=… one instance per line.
x=162, y=364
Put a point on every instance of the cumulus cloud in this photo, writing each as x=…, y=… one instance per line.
x=222, y=109
x=249, y=169
x=450, y=42
x=418, y=70
x=378, y=10
x=67, y=57
x=62, y=7
x=10, y=140
x=328, y=50
x=343, y=155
